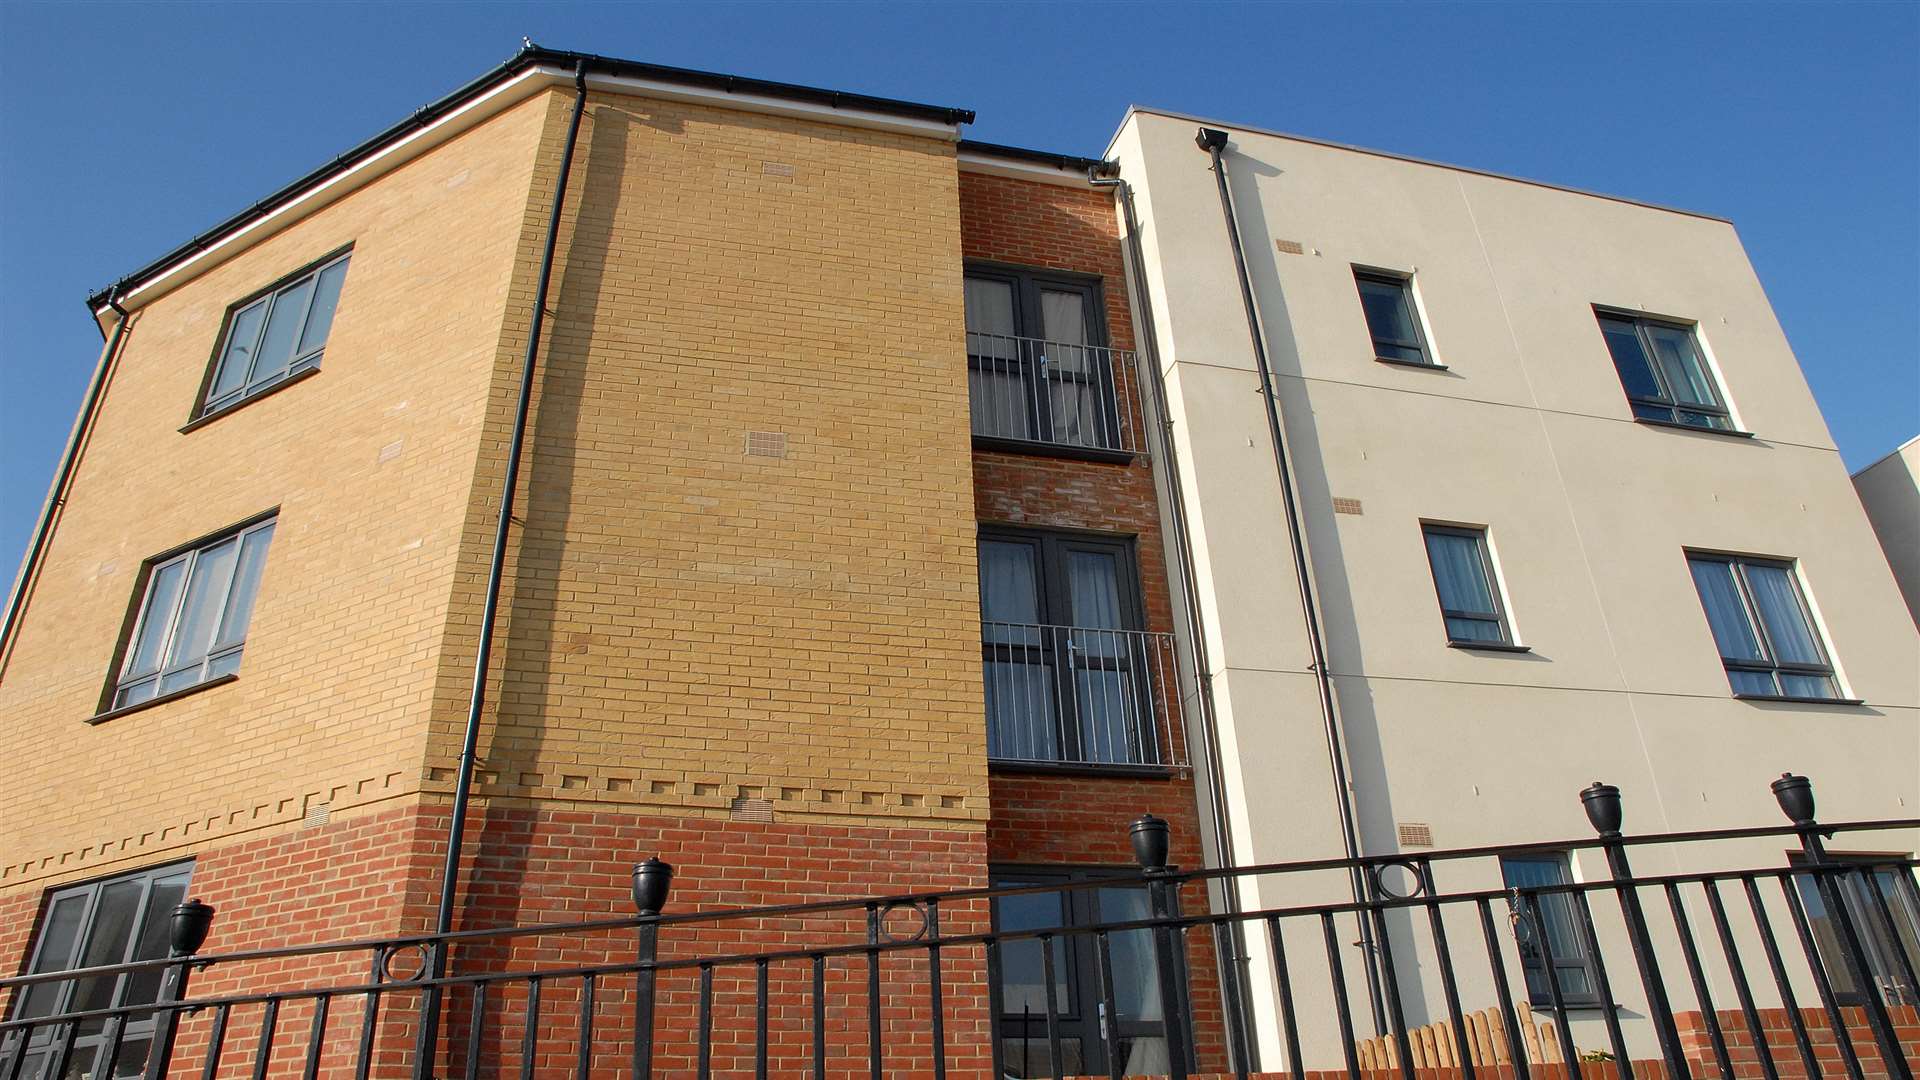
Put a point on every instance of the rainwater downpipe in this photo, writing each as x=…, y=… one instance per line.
x=1231, y=961
x=57, y=498
x=463, y=788
x=1214, y=142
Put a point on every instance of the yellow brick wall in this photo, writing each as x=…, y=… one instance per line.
x=686, y=624
x=370, y=463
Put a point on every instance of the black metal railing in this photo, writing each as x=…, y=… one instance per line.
x=1052, y=393
x=1076, y=695
x=920, y=981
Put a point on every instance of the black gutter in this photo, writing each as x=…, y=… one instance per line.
x=528, y=57
x=1093, y=167
x=1231, y=962
x=1214, y=142
x=57, y=499
x=496, y=568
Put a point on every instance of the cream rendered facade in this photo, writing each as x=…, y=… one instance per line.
x=1526, y=432
x=1890, y=492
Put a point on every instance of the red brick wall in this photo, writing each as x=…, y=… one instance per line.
x=1065, y=820
x=1775, y=1026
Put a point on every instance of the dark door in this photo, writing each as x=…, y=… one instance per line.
x=1038, y=370
x=1137, y=1020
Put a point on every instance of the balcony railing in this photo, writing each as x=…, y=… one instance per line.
x=1072, y=695
x=1052, y=393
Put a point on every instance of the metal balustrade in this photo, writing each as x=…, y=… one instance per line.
x=1053, y=393
x=1079, y=695
x=904, y=984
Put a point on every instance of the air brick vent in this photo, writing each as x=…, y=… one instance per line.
x=771, y=444
x=1415, y=834
x=1347, y=506
x=745, y=809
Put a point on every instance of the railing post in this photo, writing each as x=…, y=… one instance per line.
x=186, y=932
x=1150, y=836
x=1795, y=796
x=1602, y=803
x=651, y=881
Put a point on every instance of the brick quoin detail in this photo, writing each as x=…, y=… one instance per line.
x=1055, y=820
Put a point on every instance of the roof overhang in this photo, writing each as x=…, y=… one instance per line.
x=529, y=72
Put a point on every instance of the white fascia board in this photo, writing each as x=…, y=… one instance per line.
x=760, y=103
x=975, y=162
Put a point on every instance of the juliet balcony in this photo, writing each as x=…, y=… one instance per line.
x=1032, y=395
x=1079, y=697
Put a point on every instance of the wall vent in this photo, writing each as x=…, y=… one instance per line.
x=1289, y=247
x=776, y=168
x=1347, y=506
x=745, y=809
x=1415, y=834
x=767, y=444
x=317, y=815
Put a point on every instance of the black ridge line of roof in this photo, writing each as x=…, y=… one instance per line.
x=1043, y=157
x=529, y=56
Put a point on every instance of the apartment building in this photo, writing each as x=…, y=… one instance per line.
x=889, y=513
x=1567, y=508
x=1890, y=493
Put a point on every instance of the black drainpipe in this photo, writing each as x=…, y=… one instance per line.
x=463, y=789
x=1214, y=142
x=1232, y=960
x=58, y=498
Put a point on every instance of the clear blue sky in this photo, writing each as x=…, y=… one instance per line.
x=127, y=128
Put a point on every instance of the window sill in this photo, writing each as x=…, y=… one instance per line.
x=125, y=710
x=1725, y=433
x=1077, y=768
x=1489, y=646
x=1034, y=448
x=199, y=422
x=1786, y=699
x=1423, y=365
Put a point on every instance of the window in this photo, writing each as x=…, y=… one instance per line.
x=116, y=921
x=275, y=335
x=192, y=621
x=1020, y=984
x=1392, y=317
x=1883, y=941
x=1037, y=367
x=1564, y=950
x=1762, y=625
x=1661, y=368
x=1067, y=668
x=1464, y=578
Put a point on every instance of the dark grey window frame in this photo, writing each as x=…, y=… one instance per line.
x=134, y=622
x=1536, y=962
x=1081, y=971
x=1027, y=283
x=138, y=1026
x=1054, y=603
x=1478, y=534
x=1771, y=665
x=1667, y=400
x=299, y=364
x=1404, y=283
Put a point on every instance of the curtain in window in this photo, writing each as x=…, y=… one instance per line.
x=1557, y=915
x=1459, y=573
x=1001, y=402
x=1726, y=614
x=1136, y=979
x=1104, y=687
x=1021, y=713
x=1073, y=393
x=1778, y=599
x=1681, y=361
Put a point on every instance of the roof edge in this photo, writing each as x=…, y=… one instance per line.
x=1252, y=129
x=528, y=57
x=1038, y=157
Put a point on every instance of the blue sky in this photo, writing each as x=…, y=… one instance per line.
x=126, y=128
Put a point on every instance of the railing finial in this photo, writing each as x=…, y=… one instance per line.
x=187, y=930
x=1794, y=793
x=1602, y=802
x=651, y=880
x=1149, y=835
